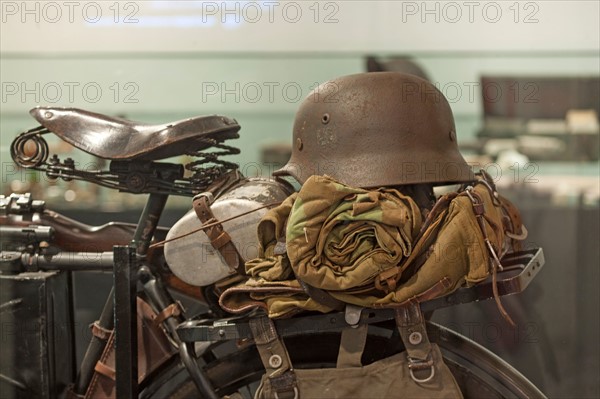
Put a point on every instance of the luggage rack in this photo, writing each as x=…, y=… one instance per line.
x=519, y=269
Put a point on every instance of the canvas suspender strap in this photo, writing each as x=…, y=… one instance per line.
x=352, y=346
x=274, y=357
x=411, y=324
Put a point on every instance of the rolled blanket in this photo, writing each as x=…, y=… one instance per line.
x=339, y=237
x=341, y=240
x=271, y=284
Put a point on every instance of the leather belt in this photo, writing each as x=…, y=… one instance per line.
x=219, y=238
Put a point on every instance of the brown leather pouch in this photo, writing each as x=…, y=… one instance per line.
x=153, y=350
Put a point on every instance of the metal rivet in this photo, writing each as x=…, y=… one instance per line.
x=452, y=135
x=48, y=115
x=299, y=143
x=275, y=361
x=415, y=338
x=325, y=119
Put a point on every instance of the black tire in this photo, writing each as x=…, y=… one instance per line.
x=479, y=372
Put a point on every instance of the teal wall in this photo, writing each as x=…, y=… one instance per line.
x=157, y=88
x=159, y=68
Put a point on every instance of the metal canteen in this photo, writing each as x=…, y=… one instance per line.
x=194, y=260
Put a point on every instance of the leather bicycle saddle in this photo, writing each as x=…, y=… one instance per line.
x=116, y=138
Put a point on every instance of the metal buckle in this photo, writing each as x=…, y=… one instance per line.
x=295, y=393
x=421, y=365
x=209, y=197
x=519, y=237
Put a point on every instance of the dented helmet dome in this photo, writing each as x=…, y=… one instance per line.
x=376, y=129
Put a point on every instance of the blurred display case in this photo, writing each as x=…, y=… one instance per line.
x=543, y=118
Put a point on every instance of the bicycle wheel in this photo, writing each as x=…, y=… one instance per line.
x=234, y=368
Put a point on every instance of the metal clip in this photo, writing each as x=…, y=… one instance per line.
x=494, y=255
x=417, y=366
x=295, y=393
x=519, y=237
x=352, y=315
x=478, y=207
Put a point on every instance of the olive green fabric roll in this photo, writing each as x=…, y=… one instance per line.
x=339, y=237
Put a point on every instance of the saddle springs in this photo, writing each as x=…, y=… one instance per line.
x=31, y=151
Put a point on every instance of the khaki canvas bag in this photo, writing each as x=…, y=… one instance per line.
x=419, y=372
x=460, y=242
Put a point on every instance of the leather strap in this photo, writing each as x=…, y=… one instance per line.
x=411, y=324
x=105, y=370
x=321, y=296
x=513, y=224
x=274, y=357
x=224, y=183
x=218, y=237
x=153, y=348
x=479, y=211
x=386, y=280
x=439, y=207
x=173, y=309
x=71, y=394
x=100, y=332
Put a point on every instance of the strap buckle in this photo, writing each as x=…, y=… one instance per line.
x=386, y=280
x=100, y=332
x=210, y=198
x=295, y=393
x=416, y=364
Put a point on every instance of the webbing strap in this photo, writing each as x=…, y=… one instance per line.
x=352, y=345
x=105, y=370
x=274, y=357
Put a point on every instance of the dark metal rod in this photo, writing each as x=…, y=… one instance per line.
x=161, y=299
x=154, y=289
x=148, y=223
x=200, y=379
x=95, y=348
x=70, y=261
x=13, y=382
x=127, y=260
x=26, y=234
x=71, y=318
x=146, y=227
x=126, y=356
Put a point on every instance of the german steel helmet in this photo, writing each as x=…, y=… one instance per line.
x=376, y=129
